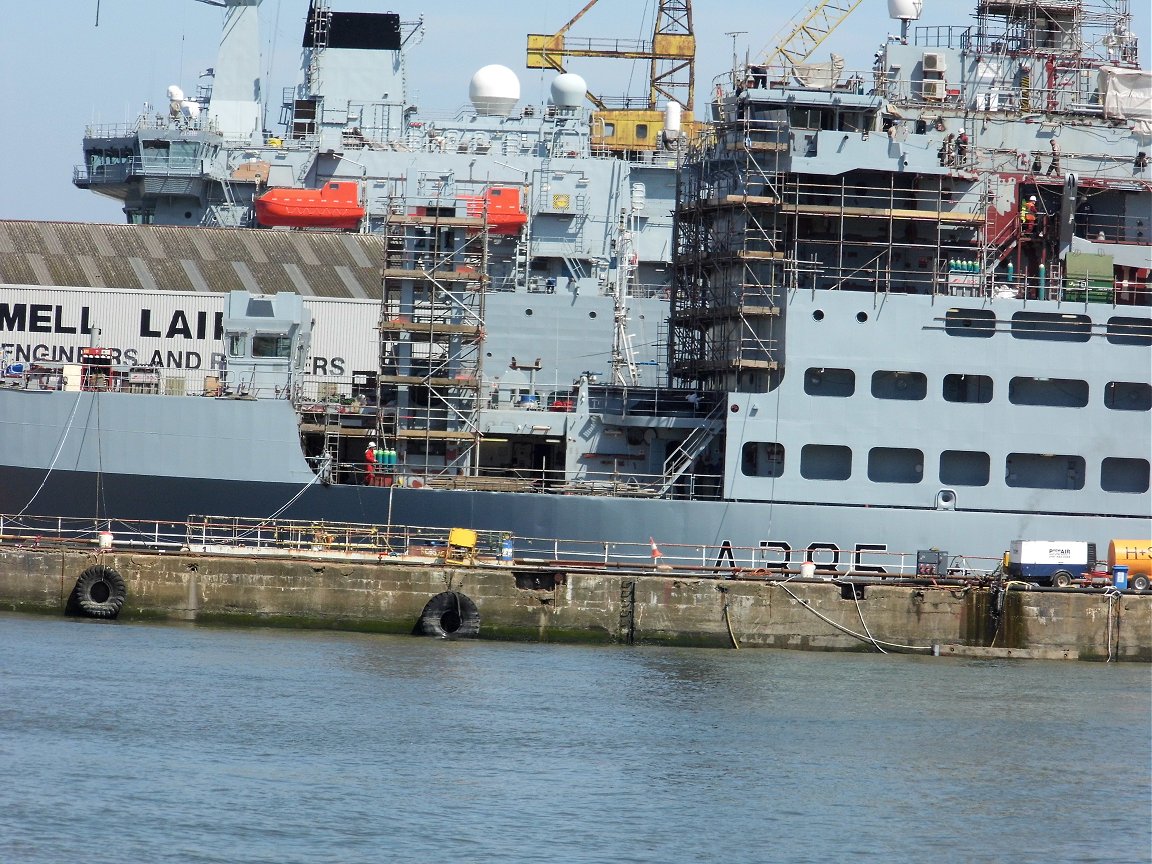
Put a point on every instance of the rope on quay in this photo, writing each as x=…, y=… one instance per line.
x=869, y=638
x=728, y=618
x=1114, y=595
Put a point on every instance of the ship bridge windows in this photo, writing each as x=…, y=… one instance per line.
x=829, y=118
x=762, y=459
x=829, y=382
x=825, y=462
x=964, y=468
x=1128, y=396
x=1051, y=325
x=911, y=386
x=968, y=388
x=1044, y=471
x=237, y=344
x=895, y=465
x=1119, y=474
x=1054, y=392
x=1129, y=331
x=970, y=322
x=272, y=345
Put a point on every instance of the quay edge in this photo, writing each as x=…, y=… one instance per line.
x=554, y=604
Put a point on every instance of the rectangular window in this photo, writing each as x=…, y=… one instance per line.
x=964, y=468
x=762, y=459
x=1057, y=392
x=968, y=388
x=1129, y=331
x=969, y=322
x=237, y=344
x=825, y=462
x=899, y=385
x=895, y=465
x=829, y=382
x=1128, y=396
x=1118, y=474
x=279, y=347
x=1051, y=325
x=1044, y=471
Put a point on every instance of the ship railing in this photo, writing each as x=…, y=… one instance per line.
x=779, y=77
x=252, y=537
x=64, y=372
x=61, y=531
x=147, y=121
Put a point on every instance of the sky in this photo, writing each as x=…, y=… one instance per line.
x=62, y=70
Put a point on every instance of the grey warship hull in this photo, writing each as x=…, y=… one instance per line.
x=849, y=317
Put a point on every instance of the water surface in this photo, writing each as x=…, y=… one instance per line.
x=150, y=743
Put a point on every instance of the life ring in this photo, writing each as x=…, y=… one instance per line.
x=100, y=592
x=450, y=615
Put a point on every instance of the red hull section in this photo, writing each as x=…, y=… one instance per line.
x=333, y=205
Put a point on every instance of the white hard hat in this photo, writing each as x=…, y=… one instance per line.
x=371, y=443
x=1033, y=198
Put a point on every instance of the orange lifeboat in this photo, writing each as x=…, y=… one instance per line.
x=501, y=204
x=336, y=204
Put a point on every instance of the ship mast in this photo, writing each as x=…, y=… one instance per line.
x=623, y=360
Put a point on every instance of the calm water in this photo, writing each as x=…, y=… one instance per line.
x=138, y=743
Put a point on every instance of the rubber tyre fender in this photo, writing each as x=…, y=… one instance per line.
x=100, y=592
x=450, y=615
x=1061, y=579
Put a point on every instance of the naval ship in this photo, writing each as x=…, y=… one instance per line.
x=847, y=316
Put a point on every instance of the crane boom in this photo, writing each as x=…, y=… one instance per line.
x=812, y=29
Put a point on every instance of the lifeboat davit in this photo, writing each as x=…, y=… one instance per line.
x=336, y=204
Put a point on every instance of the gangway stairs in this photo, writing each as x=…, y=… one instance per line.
x=685, y=454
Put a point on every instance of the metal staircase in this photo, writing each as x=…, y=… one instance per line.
x=687, y=451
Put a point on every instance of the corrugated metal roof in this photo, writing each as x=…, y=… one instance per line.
x=169, y=258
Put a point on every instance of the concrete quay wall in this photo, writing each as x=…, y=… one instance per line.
x=560, y=605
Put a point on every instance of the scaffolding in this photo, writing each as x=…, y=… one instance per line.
x=435, y=277
x=749, y=230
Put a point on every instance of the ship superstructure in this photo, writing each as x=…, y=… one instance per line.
x=859, y=313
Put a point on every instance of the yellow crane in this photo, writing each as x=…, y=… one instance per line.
x=807, y=30
x=620, y=125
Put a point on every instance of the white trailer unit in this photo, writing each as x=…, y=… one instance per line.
x=1050, y=562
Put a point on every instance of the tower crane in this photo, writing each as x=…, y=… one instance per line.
x=621, y=125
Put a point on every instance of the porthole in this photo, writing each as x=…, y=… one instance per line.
x=861, y=317
x=735, y=409
x=591, y=314
x=818, y=315
x=187, y=214
x=528, y=312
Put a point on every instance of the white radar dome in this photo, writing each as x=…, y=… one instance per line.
x=494, y=90
x=568, y=90
x=905, y=10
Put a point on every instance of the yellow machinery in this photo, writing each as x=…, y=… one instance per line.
x=672, y=56
x=461, y=547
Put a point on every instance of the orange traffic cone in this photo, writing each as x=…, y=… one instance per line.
x=656, y=553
